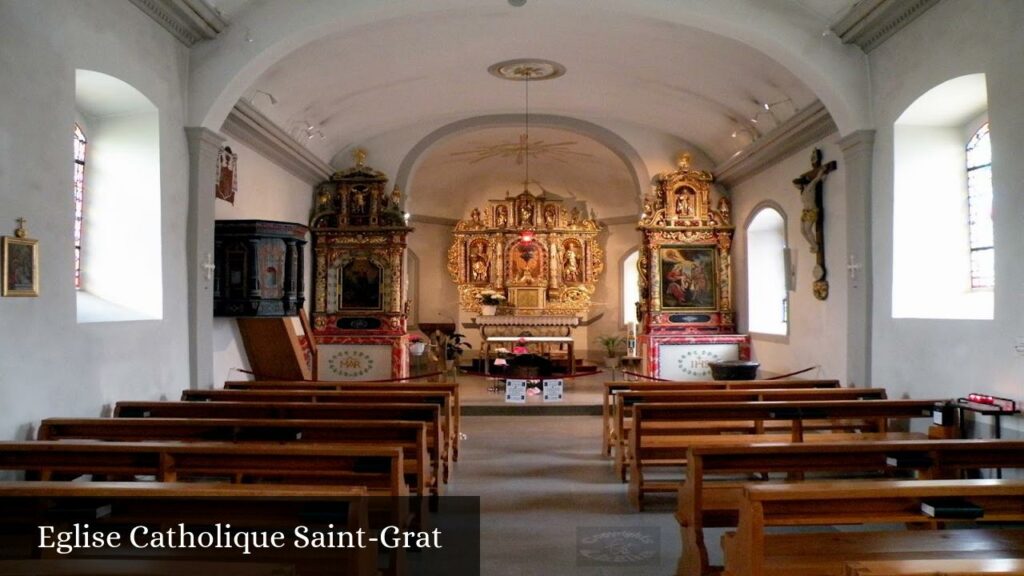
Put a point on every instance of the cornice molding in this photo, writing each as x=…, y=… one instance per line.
x=187, y=20
x=799, y=131
x=869, y=23
x=439, y=220
x=620, y=220
x=252, y=128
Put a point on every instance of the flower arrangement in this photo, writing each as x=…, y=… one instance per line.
x=413, y=339
x=490, y=297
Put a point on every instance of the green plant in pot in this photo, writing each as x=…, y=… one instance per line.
x=611, y=345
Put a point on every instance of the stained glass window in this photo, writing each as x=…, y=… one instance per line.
x=79, y=194
x=979, y=209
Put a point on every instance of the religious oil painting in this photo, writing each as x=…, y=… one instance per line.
x=688, y=277
x=361, y=285
x=20, y=267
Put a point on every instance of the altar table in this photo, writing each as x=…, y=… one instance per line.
x=567, y=340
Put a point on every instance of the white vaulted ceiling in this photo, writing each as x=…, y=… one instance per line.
x=688, y=69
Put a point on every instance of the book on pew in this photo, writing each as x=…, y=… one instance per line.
x=951, y=508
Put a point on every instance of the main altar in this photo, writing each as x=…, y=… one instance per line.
x=686, y=291
x=360, y=310
x=535, y=252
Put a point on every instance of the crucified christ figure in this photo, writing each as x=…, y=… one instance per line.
x=812, y=219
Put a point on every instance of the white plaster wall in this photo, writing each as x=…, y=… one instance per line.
x=817, y=329
x=49, y=364
x=265, y=192
x=436, y=299
x=943, y=358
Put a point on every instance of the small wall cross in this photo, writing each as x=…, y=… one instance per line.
x=852, y=266
x=209, y=266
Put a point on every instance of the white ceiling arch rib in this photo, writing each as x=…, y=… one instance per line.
x=777, y=46
x=618, y=162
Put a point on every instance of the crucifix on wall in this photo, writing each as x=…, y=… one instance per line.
x=812, y=219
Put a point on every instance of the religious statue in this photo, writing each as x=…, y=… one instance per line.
x=574, y=216
x=684, y=203
x=479, y=264
x=396, y=198
x=812, y=219
x=724, y=210
x=501, y=217
x=571, y=265
x=550, y=216
x=474, y=216
x=525, y=211
x=360, y=200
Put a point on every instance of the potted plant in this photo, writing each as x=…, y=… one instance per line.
x=611, y=346
x=417, y=346
x=489, y=301
x=454, y=346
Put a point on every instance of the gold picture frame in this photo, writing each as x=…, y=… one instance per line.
x=20, y=264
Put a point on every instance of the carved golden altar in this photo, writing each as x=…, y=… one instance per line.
x=359, y=311
x=686, y=291
x=538, y=252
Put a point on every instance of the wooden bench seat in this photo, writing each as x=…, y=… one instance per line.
x=379, y=469
x=430, y=414
x=625, y=400
x=614, y=386
x=648, y=446
x=450, y=387
x=442, y=398
x=706, y=499
x=127, y=504
x=750, y=551
x=409, y=436
x=940, y=567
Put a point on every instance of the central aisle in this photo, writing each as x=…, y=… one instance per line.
x=551, y=504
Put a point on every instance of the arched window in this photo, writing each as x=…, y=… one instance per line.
x=79, y=195
x=942, y=259
x=630, y=286
x=767, y=297
x=979, y=209
x=119, y=269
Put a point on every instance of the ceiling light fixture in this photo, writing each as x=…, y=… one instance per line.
x=273, y=101
x=526, y=70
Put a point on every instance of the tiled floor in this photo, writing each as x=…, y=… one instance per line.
x=551, y=504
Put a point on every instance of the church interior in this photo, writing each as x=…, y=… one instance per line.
x=666, y=285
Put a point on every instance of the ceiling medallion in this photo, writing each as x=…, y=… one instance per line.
x=527, y=69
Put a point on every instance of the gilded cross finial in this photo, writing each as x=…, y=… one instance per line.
x=359, y=155
x=20, y=230
x=683, y=160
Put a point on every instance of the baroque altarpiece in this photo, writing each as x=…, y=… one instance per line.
x=686, y=291
x=539, y=253
x=360, y=311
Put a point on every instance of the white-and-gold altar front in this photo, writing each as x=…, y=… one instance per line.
x=540, y=252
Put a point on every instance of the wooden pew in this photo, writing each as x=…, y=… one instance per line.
x=134, y=503
x=442, y=398
x=611, y=387
x=410, y=436
x=625, y=400
x=427, y=413
x=450, y=387
x=751, y=552
x=942, y=567
x=707, y=502
x=379, y=469
x=651, y=444
x=126, y=567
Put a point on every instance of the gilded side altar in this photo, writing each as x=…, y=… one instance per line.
x=686, y=292
x=359, y=311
